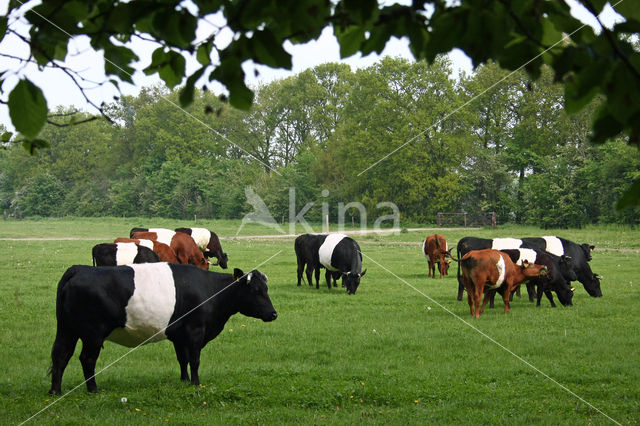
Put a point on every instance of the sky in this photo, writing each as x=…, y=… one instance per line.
x=59, y=90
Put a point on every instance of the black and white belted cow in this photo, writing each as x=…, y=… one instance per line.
x=580, y=255
x=136, y=304
x=341, y=256
x=207, y=241
x=112, y=254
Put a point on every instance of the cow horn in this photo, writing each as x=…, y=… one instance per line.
x=573, y=288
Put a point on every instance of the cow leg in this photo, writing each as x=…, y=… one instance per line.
x=88, y=357
x=517, y=292
x=328, y=277
x=478, y=297
x=491, y=294
x=531, y=291
x=460, y=290
x=300, y=271
x=194, y=358
x=309, y=273
x=316, y=269
x=550, y=297
x=431, y=268
x=506, y=296
x=182, y=354
x=335, y=280
x=61, y=353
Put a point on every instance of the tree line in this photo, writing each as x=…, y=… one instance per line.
x=398, y=131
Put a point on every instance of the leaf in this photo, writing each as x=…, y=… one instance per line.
x=27, y=108
x=32, y=145
x=628, y=9
x=350, y=40
x=267, y=50
x=605, y=126
x=187, y=93
x=203, y=54
x=630, y=198
x=6, y=136
x=3, y=26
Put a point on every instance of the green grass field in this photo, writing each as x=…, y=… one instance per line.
x=401, y=351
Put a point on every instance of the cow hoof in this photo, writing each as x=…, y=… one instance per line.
x=54, y=392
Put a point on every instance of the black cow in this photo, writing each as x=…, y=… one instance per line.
x=579, y=254
x=307, y=247
x=341, y=256
x=209, y=243
x=137, y=304
x=112, y=254
x=559, y=274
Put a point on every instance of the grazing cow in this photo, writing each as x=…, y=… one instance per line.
x=209, y=243
x=137, y=304
x=489, y=269
x=341, y=255
x=435, y=246
x=559, y=275
x=107, y=254
x=579, y=254
x=164, y=252
x=307, y=247
x=183, y=245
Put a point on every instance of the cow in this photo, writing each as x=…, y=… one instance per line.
x=137, y=304
x=559, y=275
x=164, y=252
x=341, y=256
x=183, y=245
x=209, y=243
x=112, y=254
x=489, y=269
x=579, y=254
x=307, y=248
x=435, y=246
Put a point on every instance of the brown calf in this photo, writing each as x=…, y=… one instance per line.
x=489, y=269
x=435, y=246
x=164, y=252
x=183, y=245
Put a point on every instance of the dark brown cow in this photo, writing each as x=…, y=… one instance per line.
x=183, y=245
x=435, y=247
x=489, y=269
x=164, y=252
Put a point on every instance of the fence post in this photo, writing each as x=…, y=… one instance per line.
x=465, y=220
x=494, y=220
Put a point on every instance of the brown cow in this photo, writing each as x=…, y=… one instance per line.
x=164, y=252
x=489, y=269
x=435, y=246
x=182, y=244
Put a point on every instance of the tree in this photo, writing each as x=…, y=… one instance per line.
x=524, y=34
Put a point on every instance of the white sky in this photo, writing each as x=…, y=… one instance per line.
x=59, y=90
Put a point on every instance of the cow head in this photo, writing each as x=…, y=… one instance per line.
x=531, y=270
x=443, y=266
x=564, y=291
x=253, y=298
x=587, y=248
x=351, y=280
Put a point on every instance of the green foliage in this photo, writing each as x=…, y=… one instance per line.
x=512, y=150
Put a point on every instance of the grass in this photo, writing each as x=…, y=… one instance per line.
x=390, y=354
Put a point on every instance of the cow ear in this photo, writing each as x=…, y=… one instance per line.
x=525, y=263
x=363, y=272
x=592, y=247
x=237, y=274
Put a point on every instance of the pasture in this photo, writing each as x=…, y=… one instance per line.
x=400, y=351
